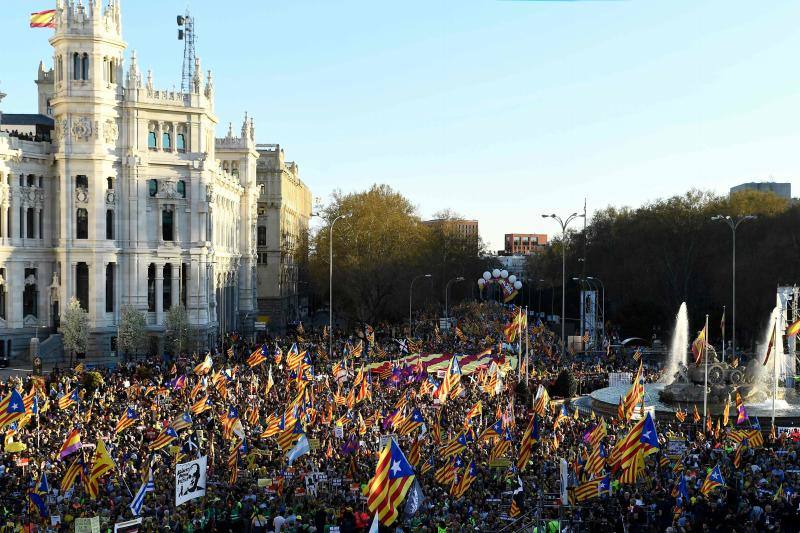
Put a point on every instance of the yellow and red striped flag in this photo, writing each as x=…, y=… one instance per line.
x=393, y=478
x=43, y=19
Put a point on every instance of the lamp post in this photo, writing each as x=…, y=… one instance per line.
x=410, y=294
x=603, y=310
x=330, y=285
x=446, y=289
x=563, y=224
x=734, y=225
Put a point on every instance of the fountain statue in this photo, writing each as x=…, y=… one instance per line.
x=688, y=383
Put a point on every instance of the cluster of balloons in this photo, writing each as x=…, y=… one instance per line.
x=497, y=274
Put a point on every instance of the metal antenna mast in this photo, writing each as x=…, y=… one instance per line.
x=187, y=35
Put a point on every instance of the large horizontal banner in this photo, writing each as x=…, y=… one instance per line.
x=437, y=361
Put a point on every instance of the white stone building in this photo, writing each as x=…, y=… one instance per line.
x=133, y=201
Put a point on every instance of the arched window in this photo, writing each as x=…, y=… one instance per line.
x=76, y=66
x=151, y=288
x=81, y=181
x=225, y=166
x=82, y=224
x=31, y=180
x=85, y=66
x=166, y=141
x=262, y=236
x=180, y=142
x=151, y=141
x=112, y=66
x=110, y=224
x=152, y=188
x=235, y=169
x=181, y=188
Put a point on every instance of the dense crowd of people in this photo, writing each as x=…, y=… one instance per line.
x=346, y=403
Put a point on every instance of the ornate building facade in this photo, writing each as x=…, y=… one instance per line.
x=131, y=202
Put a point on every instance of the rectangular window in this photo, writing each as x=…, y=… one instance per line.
x=167, y=225
x=151, y=288
x=82, y=285
x=30, y=295
x=110, y=287
x=41, y=223
x=184, y=282
x=3, y=294
x=82, y=224
x=30, y=230
x=109, y=224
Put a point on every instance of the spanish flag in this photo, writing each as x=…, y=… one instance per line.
x=44, y=19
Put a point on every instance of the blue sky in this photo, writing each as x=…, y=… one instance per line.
x=500, y=110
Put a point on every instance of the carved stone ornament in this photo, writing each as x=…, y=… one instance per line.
x=82, y=129
x=168, y=188
x=111, y=197
x=110, y=131
x=81, y=195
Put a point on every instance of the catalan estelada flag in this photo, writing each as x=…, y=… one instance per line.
x=793, y=330
x=127, y=420
x=387, y=489
x=102, y=464
x=713, y=480
x=44, y=19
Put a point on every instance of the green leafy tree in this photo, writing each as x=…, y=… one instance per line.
x=177, y=330
x=75, y=328
x=132, y=330
x=376, y=252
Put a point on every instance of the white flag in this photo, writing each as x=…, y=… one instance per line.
x=301, y=448
x=375, y=524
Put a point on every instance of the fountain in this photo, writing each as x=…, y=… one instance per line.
x=683, y=384
x=678, y=345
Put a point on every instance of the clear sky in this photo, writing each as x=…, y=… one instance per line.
x=499, y=110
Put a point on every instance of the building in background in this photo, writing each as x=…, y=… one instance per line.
x=467, y=229
x=784, y=190
x=524, y=243
x=127, y=199
x=284, y=209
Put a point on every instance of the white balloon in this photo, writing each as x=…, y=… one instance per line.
x=487, y=275
x=481, y=282
x=504, y=274
x=512, y=279
x=518, y=285
x=496, y=273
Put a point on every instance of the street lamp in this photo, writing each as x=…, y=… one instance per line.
x=603, y=298
x=446, y=289
x=410, y=294
x=734, y=225
x=330, y=285
x=563, y=224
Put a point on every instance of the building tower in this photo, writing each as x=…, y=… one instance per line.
x=87, y=56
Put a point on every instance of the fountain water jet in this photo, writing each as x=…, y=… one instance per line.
x=678, y=345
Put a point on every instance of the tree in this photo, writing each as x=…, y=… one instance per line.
x=132, y=330
x=177, y=330
x=75, y=328
x=565, y=385
x=376, y=252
